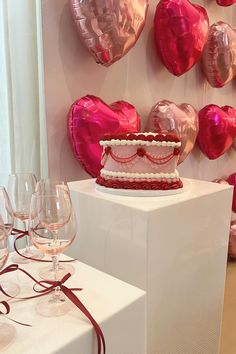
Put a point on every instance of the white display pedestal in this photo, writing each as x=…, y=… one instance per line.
x=174, y=247
x=118, y=308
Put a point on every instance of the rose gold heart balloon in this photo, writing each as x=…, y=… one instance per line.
x=181, y=31
x=89, y=119
x=219, y=55
x=225, y=2
x=109, y=29
x=182, y=120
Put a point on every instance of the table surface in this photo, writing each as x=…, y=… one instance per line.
x=193, y=189
x=51, y=334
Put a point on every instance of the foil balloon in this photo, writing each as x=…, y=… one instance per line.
x=109, y=29
x=181, y=31
x=225, y=2
x=181, y=119
x=217, y=128
x=232, y=181
x=219, y=55
x=232, y=241
x=89, y=119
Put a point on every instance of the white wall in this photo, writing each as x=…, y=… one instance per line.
x=139, y=78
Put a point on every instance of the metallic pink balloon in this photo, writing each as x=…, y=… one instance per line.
x=232, y=241
x=219, y=55
x=109, y=29
x=181, y=119
x=217, y=128
x=232, y=181
x=89, y=119
x=181, y=31
x=225, y=2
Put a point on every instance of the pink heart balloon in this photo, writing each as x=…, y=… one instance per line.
x=181, y=119
x=181, y=31
x=217, y=128
x=90, y=119
x=109, y=29
x=219, y=55
x=232, y=181
x=225, y=2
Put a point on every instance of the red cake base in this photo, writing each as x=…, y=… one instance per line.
x=143, y=185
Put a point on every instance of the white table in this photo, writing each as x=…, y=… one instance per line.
x=174, y=247
x=118, y=307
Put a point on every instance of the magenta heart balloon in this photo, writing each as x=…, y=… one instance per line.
x=90, y=119
x=217, y=128
x=219, y=55
x=232, y=181
x=181, y=119
x=181, y=31
x=225, y=2
x=109, y=29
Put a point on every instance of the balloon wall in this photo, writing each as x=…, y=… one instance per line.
x=143, y=79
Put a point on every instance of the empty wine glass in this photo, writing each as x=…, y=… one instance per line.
x=7, y=219
x=46, y=187
x=21, y=186
x=52, y=228
x=7, y=331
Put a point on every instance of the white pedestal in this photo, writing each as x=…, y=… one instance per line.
x=118, y=307
x=174, y=247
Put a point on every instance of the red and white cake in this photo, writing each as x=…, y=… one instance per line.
x=144, y=161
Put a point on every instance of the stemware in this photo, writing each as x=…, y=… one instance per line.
x=7, y=331
x=52, y=228
x=48, y=187
x=21, y=186
x=7, y=219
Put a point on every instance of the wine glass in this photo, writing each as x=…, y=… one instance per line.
x=52, y=228
x=46, y=187
x=21, y=186
x=7, y=219
x=7, y=331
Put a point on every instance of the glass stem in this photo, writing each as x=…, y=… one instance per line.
x=26, y=226
x=55, y=262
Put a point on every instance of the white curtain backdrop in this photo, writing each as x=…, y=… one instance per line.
x=23, y=144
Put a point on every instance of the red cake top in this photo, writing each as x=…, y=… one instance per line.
x=143, y=136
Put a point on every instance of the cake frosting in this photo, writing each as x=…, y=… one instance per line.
x=140, y=161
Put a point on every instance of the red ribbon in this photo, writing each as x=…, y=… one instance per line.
x=22, y=234
x=48, y=287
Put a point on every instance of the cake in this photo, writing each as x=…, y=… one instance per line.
x=143, y=161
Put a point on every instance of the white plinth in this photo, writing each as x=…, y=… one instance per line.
x=174, y=247
x=118, y=307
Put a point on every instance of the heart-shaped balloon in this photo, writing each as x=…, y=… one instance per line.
x=181, y=119
x=232, y=181
x=219, y=55
x=181, y=31
x=225, y=2
x=90, y=119
x=217, y=129
x=109, y=29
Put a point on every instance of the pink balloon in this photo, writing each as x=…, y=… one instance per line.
x=181, y=119
x=90, y=119
x=232, y=181
x=181, y=31
x=109, y=29
x=217, y=128
x=225, y=2
x=232, y=241
x=219, y=55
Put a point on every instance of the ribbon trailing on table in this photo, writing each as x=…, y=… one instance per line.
x=4, y=304
x=21, y=234
x=49, y=286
